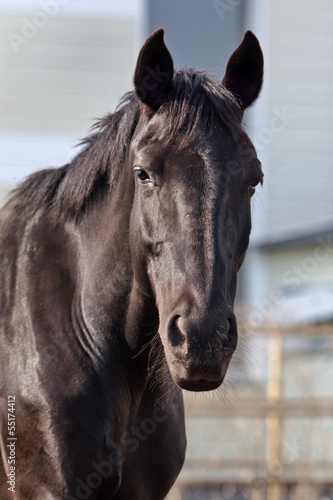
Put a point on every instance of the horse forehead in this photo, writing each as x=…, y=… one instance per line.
x=149, y=131
x=213, y=153
x=230, y=154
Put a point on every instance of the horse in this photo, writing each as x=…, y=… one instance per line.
x=118, y=279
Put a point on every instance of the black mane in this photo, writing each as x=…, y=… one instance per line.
x=196, y=100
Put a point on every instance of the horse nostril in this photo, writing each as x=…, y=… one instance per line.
x=176, y=338
x=232, y=337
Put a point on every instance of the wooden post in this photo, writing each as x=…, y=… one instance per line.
x=273, y=419
x=175, y=493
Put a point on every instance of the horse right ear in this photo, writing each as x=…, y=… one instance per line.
x=244, y=73
x=154, y=72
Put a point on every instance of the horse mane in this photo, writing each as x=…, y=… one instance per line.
x=67, y=189
x=196, y=100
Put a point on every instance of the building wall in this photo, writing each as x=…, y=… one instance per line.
x=301, y=89
x=293, y=135
x=199, y=34
x=59, y=74
x=305, y=266
x=71, y=71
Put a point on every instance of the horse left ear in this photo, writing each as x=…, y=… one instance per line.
x=244, y=73
x=154, y=71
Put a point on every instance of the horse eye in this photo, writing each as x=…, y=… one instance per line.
x=142, y=175
x=252, y=188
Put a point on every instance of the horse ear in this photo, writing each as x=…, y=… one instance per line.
x=244, y=73
x=154, y=71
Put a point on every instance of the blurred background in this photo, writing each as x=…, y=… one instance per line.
x=268, y=434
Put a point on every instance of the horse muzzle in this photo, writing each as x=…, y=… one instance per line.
x=197, y=377
x=198, y=354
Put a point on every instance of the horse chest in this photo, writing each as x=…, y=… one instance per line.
x=153, y=449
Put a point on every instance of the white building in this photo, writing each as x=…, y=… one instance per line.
x=63, y=65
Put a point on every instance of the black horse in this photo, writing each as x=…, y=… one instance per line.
x=118, y=278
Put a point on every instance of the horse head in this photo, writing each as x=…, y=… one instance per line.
x=195, y=172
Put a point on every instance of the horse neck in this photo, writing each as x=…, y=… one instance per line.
x=113, y=309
